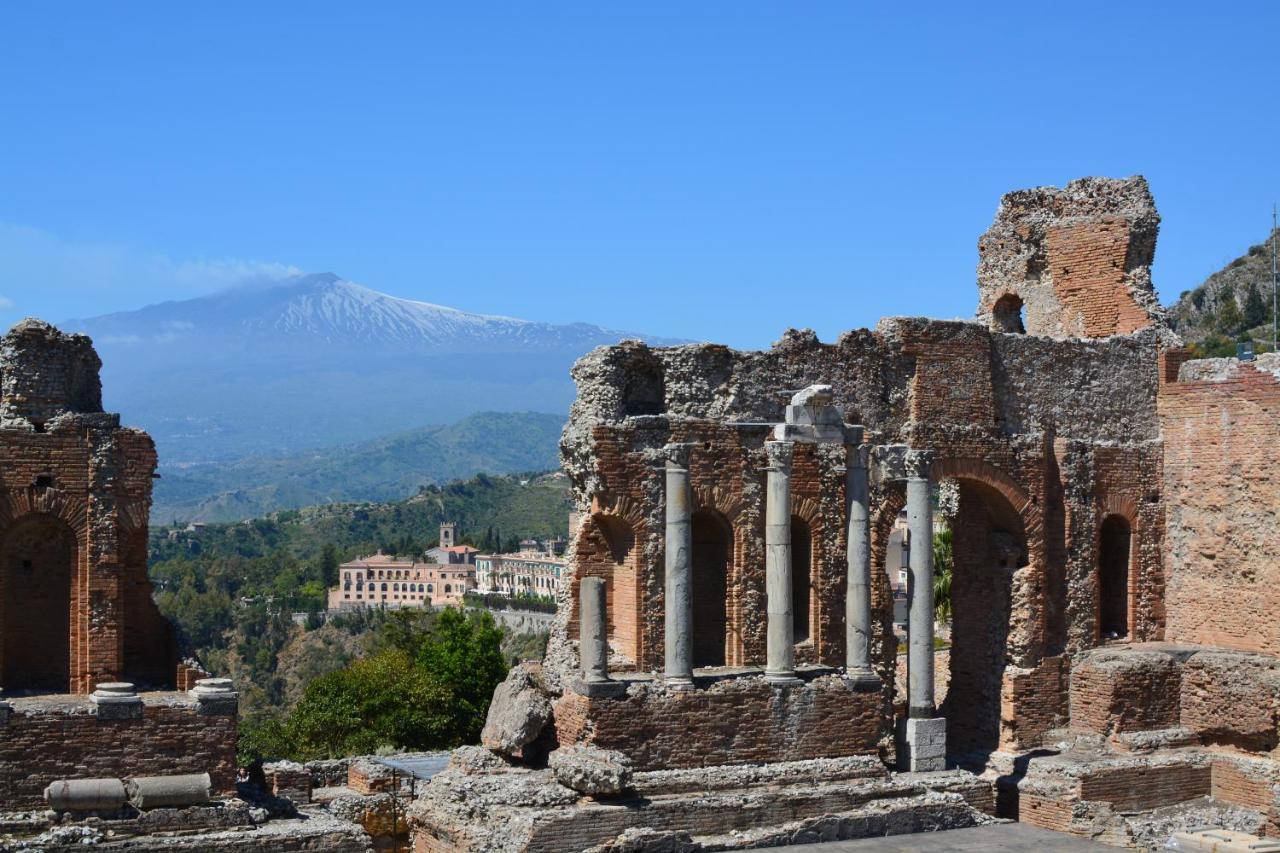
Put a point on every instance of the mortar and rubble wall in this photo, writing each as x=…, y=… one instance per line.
x=1047, y=438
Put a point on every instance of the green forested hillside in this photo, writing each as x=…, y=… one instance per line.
x=1231, y=306
x=384, y=469
x=231, y=589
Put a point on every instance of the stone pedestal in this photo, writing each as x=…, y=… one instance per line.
x=116, y=700
x=922, y=745
x=216, y=696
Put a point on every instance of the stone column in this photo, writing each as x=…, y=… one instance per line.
x=780, y=667
x=593, y=645
x=593, y=642
x=920, y=624
x=857, y=612
x=678, y=592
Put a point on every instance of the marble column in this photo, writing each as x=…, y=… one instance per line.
x=920, y=626
x=678, y=591
x=857, y=613
x=780, y=667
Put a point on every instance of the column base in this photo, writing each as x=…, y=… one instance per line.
x=863, y=680
x=783, y=679
x=599, y=689
x=678, y=682
x=922, y=745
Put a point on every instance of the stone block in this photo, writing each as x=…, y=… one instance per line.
x=922, y=746
x=591, y=770
x=216, y=696
x=518, y=713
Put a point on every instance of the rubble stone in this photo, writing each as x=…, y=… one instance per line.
x=519, y=712
x=591, y=770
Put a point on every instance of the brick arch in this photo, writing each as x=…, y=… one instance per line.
x=622, y=506
x=65, y=627
x=977, y=470
x=721, y=501
x=809, y=511
x=608, y=546
x=53, y=502
x=1124, y=506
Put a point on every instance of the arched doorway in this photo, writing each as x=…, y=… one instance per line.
x=988, y=545
x=1113, y=578
x=37, y=558
x=801, y=579
x=711, y=552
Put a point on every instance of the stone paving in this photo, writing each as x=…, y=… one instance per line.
x=989, y=839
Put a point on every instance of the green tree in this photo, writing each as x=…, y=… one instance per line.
x=329, y=565
x=1255, y=310
x=1230, y=320
x=464, y=652
x=943, y=560
x=384, y=700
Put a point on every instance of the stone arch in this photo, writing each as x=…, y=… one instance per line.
x=713, y=552
x=1007, y=314
x=806, y=534
x=40, y=604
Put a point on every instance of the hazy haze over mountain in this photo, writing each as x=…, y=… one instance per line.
x=315, y=360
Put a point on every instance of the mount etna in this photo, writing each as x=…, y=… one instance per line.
x=288, y=368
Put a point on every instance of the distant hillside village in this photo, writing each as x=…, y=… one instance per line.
x=448, y=572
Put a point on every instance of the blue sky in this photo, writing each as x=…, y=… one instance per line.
x=714, y=170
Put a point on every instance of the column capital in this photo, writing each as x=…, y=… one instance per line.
x=919, y=463
x=779, y=454
x=676, y=455
x=854, y=434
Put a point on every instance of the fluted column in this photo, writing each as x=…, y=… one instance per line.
x=678, y=592
x=857, y=614
x=920, y=626
x=780, y=666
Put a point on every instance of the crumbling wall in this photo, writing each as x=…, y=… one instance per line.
x=63, y=460
x=1221, y=503
x=46, y=739
x=1076, y=261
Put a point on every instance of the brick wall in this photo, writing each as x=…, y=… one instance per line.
x=1146, y=787
x=45, y=739
x=1125, y=691
x=1087, y=266
x=738, y=721
x=1221, y=498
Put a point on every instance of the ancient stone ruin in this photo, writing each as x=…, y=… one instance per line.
x=722, y=669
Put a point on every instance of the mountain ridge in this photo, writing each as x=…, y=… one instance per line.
x=276, y=368
x=388, y=468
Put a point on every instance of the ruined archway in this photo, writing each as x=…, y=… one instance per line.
x=712, y=549
x=37, y=564
x=801, y=580
x=1006, y=314
x=1114, y=549
x=989, y=543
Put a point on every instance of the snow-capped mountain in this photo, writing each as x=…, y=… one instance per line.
x=325, y=309
x=315, y=360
